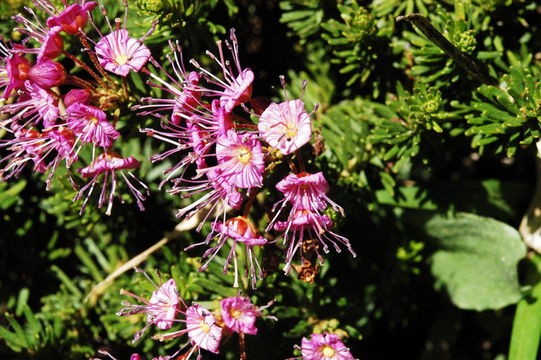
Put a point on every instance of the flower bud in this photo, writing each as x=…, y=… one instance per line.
x=81, y=96
x=48, y=74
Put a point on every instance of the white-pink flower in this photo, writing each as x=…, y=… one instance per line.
x=118, y=53
x=286, y=126
x=325, y=347
x=162, y=308
x=239, y=314
x=202, y=328
x=164, y=305
x=306, y=191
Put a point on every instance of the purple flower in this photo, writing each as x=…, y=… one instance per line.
x=324, y=347
x=285, y=126
x=109, y=164
x=118, y=53
x=91, y=125
x=241, y=159
x=202, y=328
x=48, y=74
x=239, y=314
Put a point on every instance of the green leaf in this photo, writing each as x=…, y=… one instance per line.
x=527, y=323
x=475, y=259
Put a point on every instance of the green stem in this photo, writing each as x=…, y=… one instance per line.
x=526, y=333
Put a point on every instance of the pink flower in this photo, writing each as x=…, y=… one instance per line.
x=325, y=347
x=239, y=90
x=241, y=230
x=239, y=314
x=286, y=126
x=236, y=86
x=162, y=308
x=24, y=147
x=52, y=45
x=109, y=164
x=187, y=101
x=241, y=159
x=182, y=85
x=72, y=19
x=118, y=53
x=305, y=224
x=202, y=328
x=165, y=301
x=91, y=124
x=306, y=191
x=39, y=105
x=17, y=69
x=46, y=150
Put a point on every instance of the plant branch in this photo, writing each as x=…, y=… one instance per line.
x=463, y=60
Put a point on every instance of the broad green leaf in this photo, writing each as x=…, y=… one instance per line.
x=475, y=259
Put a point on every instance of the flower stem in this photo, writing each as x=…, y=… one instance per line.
x=526, y=333
x=242, y=345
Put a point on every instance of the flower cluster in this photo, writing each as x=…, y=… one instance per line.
x=53, y=116
x=204, y=328
x=225, y=159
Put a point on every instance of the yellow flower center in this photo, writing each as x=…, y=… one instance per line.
x=328, y=351
x=121, y=59
x=244, y=155
x=235, y=313
x=94, y=120
x=204, y=326
x=291, y=131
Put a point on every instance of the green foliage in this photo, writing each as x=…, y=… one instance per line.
x=526, y=333
x=351, y=38
x=475, y=260
x=186, y=13
x=427, y=62
x=397, y=7
x=304, y=17
x=506, y=117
